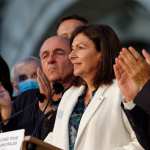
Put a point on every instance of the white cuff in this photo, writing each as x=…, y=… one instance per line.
x=129, y=105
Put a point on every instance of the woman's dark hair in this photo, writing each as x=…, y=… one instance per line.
x=106, y=42
x=5, y=76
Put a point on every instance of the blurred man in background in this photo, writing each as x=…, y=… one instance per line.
x=68, y=24
x=24, y=75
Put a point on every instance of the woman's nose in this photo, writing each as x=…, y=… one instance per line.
x=72, y=55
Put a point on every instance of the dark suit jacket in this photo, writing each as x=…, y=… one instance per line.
x=26, y=115
x=139, y=116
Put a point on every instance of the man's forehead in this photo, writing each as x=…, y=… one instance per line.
x=72, y=21
x=55, y=43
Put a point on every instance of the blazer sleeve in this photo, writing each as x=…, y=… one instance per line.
x=139, y=115
x=133, y=144
x=143, y=98
x=49, y=138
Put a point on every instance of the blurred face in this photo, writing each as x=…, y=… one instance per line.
x=2, y=89
x=54, y=59
x=84, y=57
x=26, y=71
x=67, y=27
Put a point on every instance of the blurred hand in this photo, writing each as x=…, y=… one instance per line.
x=44, y=84
x=45, y=87
x=132, y=71
x=5, y=104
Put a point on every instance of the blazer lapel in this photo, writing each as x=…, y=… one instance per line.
x=90, y=110
x=72, y=101
x=73, y=98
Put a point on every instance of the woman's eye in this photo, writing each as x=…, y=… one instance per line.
x=78, y=47
x=81, y=46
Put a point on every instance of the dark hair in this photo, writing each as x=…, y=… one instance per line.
x=106, y=42
x=76, y=17
x=5, y=76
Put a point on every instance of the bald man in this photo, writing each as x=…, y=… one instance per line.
x=54, y=59
x=56, y=67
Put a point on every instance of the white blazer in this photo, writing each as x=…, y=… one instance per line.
x=103, y=125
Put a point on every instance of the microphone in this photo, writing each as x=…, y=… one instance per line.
x=58, y=87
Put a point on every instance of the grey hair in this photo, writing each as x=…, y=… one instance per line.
x=27, y=60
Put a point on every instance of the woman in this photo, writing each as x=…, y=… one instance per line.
x=5, y=91
x=90, y=117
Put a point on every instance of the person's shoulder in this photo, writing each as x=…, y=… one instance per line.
x=71, y=93
x=25, y=98
x=112, y=86
x=30, y=93
x=113, y=89
x=73, y=90
x=115, y=85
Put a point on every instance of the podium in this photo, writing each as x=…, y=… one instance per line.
x=38, y=144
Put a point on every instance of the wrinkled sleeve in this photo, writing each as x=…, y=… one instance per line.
x=133, y=144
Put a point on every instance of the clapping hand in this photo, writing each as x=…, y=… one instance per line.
x=132, y=71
